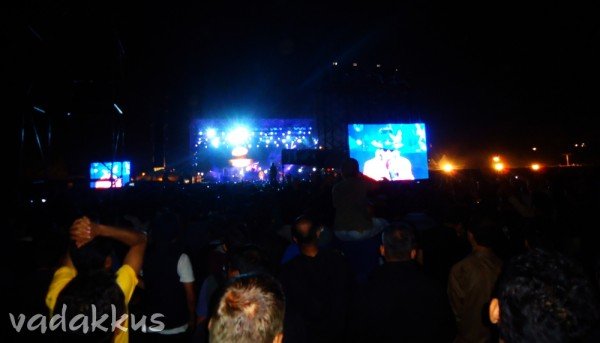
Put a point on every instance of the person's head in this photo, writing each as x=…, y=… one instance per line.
x=305, y=231
x=398, y=243
x=251, y=309
x=456, y=216
x=246, y=259
x=482, y=232
x=95, y=255
x=164, y=228
x=93, y=294
x=350, y=168
x=544, y=297
x=93, y=289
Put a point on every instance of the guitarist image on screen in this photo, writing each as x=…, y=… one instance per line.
x=387, y=163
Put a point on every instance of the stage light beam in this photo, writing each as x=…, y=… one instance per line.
x=448, y=168
x=210, y=133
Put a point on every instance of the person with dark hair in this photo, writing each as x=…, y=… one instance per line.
x=318, y=284
x=273, y=174
x=354, y=227
x=83, y=285
x=246, y=259
x=350, y=200
x=400, y=303
x=251, y=309
x=471, y=282
x=544, y=297
x=169, y=280
x=446, y=244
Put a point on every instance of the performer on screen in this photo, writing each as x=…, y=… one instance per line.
x=387, y=164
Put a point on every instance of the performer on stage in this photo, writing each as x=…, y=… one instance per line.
x=387, y=164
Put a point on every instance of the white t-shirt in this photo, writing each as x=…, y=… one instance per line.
x=184, y=269
x=186, y=274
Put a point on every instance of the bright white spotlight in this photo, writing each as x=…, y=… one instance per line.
x=215, y=142
x=496, y=159
x=238, y=136
x=499, y=166
x=210, y=133
x=535, y=166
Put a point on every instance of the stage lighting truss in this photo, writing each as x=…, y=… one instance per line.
x=274, y=137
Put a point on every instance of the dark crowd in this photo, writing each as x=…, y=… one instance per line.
x=472, y=256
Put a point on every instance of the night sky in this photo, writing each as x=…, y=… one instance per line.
x=485, y=77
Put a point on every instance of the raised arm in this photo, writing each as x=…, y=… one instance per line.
x=84, y=230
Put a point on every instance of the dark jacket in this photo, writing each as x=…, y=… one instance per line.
x=400, y=303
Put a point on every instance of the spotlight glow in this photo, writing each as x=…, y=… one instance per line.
x=499, y=166
x=215, y=142
x=535, y=166
x=210, y=133
x=239, y=151
x=448, y=168
x=496, y=159
x=238, y=136
x=240, y=162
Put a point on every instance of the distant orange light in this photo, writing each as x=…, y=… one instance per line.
x=499, y=166
x=448, y=168
x=496, y=159
x=535, y=166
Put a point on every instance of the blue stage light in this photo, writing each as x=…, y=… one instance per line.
x=210, y=133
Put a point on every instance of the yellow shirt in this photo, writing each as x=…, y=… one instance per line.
x=126, y=279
